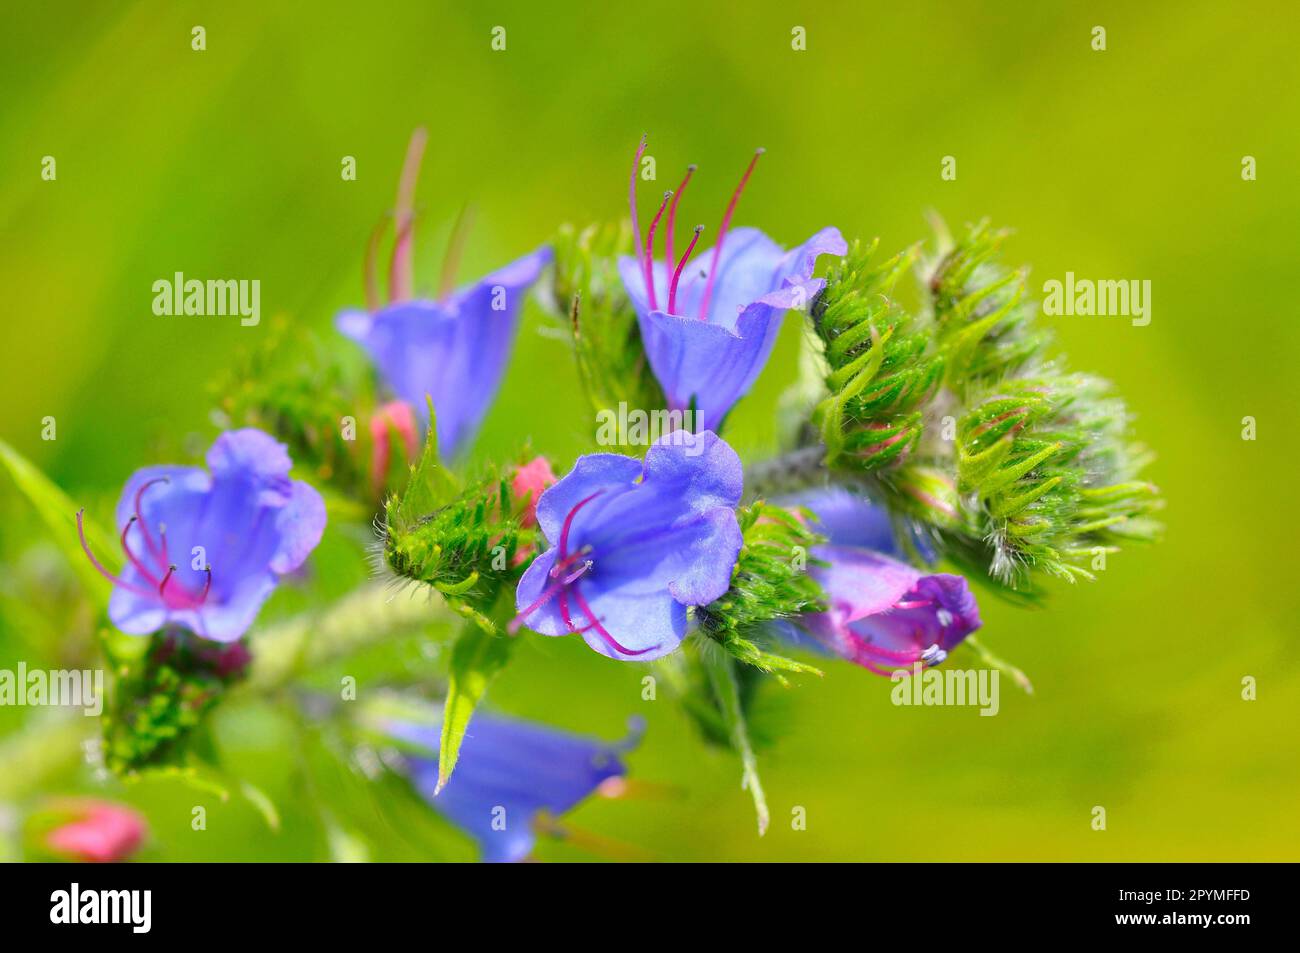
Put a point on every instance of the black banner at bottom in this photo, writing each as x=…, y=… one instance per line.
x=223, y=902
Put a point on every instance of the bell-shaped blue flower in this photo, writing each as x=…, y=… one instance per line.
x=709, y=324
x=508, y=774
x=452, y=347
x=204, y=549
x=633, y=545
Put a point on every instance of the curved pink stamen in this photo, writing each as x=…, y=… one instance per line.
x=677, y=272
x=672, y=217
x=650, y=250
x=722, y=234
x=126, y=548
x=892, y=654
x=162, y=586
x=568, y=523
x=547, y=595
x=373, y=301
x=631, y=198
x=400, y=275
x=115, y=580
x=604, y=634
x=144, y=527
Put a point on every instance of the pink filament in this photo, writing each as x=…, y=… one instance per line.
x=636, y=228
x=677, y=272
x=126, y=548
x=722, y=234
x=650, y=253
x=400, y=281
x=115, y=580
x=672, y=217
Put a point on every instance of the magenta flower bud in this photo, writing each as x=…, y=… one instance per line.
x=101, y=832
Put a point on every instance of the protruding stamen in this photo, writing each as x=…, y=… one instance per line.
x=604, y=633
x=677, y=272
x=619, y=787
x=547, y=595
x=672, y=217
x=99, y=567
x=400, y=280
x=373, y=301
x=126, y=548
x=595, y=844
x=578, y=573
x=563, y=564
x=631, y=198
x=162, y=586
x=568, y=523
x=144, y=527
x=650, y=250
x=455, y=248
x=722, y=234
x=207, y=586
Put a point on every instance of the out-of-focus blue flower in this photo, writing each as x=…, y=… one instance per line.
x=204, y=550
x=883, y=614
x=454, y=350
x=454, y=347
x=709, y=328
x=632, y=546
x=508, y=773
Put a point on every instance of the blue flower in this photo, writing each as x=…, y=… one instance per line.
x=633, y=546
x=510, y=773
x=709, y=330
x=454, y=347
x=883, y=614
x=204, y=550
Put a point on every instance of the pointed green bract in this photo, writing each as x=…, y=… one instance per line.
x=881, y=362
x=431, y=484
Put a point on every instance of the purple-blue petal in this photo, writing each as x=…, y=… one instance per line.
x=846, y=518
x=507, y=773
x=454, y=351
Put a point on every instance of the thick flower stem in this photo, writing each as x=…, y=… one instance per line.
x=788, y=473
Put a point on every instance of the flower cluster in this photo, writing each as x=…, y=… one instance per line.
x=681, y=555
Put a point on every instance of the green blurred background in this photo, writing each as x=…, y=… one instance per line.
x=1117, y=164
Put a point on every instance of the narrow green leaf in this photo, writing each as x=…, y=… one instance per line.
x=722, y=675
x=59, y=513
x=475, y=661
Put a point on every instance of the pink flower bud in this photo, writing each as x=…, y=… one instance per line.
x=527, y=484
x=396, y=415
x=102, y=832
